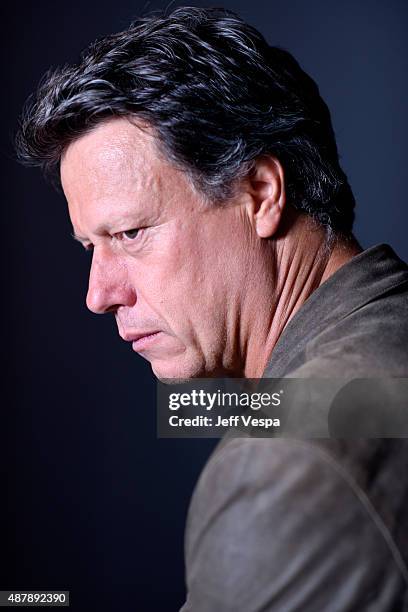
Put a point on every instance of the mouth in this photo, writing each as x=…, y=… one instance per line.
x=143, y=341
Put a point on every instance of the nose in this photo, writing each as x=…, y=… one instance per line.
x=109, y=286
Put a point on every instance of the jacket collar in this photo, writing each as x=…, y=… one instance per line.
x=364, y=278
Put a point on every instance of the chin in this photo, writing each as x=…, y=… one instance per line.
x=174, y=372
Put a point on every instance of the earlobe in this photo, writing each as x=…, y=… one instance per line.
x=268, y=196
x=267, y=222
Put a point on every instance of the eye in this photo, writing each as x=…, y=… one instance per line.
x=130, y=234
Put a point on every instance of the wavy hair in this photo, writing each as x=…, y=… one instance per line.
x=218, y=97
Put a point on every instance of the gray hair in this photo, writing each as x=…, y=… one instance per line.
x=218, y=97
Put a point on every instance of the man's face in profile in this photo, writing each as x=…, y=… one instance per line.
x=169, y=266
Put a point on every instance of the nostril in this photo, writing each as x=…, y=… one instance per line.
x=113, y=308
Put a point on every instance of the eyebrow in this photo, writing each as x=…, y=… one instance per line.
x=134, y=220
x=100, y=230
x=80, y=239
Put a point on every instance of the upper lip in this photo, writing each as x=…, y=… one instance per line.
x=133, y=336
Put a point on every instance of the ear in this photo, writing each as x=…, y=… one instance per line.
x=267, y=190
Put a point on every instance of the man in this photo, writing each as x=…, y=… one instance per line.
x=200, y=166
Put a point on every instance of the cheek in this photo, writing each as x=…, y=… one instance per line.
x=179, y=278
x=189, y=276
x=181, y=262
x=193, y=271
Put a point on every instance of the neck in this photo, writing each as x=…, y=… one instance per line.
x=302, y=261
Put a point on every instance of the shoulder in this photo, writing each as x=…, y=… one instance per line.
x=275, y=521
x=369, y=341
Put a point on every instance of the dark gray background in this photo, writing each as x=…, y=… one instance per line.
x=91, y=500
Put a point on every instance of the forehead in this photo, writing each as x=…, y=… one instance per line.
x=115, y=166
x=114, y=155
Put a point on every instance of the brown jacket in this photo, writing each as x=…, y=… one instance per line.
x=309, y=525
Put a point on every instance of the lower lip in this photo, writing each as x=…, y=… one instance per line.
x=145, y=341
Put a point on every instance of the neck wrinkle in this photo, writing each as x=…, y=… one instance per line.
x=300, y=269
